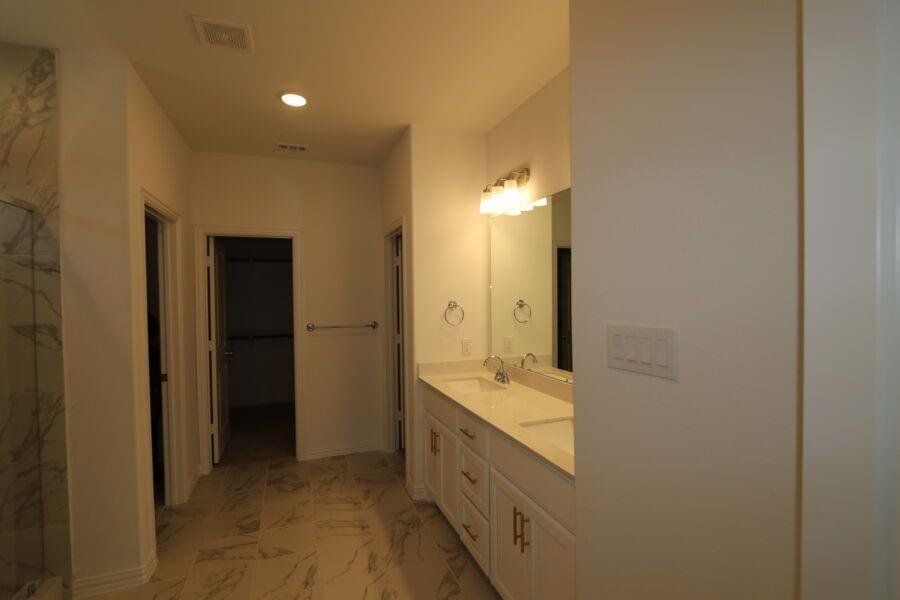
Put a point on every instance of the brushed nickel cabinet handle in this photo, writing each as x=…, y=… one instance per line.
x=522, y=542
x=474, y=536
x=515, y=524
x=467, y=433
x=432, y=441
x=471, y=479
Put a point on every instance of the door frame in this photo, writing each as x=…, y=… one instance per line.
x=173, y=421
x=201, y=233
x=390, y=430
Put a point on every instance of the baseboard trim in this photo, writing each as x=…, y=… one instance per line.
x=85, y=587
x=417, y=493
x=329, y=451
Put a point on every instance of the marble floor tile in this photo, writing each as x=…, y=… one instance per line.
x=154, y=590
x=287, y=513
x=240, y=522
x=332, y=529
x=246, y=500
x=219, y=580
x=288, y=577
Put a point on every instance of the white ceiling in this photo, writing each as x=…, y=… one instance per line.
x=368, y=67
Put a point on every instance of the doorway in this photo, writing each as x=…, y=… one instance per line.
x=564, y=308
x=154, y=241
x=251, y=333
x=396, y=353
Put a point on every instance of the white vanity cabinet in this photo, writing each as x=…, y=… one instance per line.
x=441, y=461
x=512, y=510
x=533, y=556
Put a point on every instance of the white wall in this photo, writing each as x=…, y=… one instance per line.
x=115, y=142
x=685, y=214
x=537, y=134
x=851, y=328
x=337, y=209
x=396, y=207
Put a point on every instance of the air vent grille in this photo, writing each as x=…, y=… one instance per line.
x=223, y=35
x=291, y=147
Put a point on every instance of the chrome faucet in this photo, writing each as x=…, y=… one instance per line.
x=524, y=358
x=501, y=375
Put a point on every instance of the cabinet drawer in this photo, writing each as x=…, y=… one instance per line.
x=474, y=478
x=475, y=533
x=473, y=433
x=443, y=409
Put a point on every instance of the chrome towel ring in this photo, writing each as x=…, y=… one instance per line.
x=454, y=308
x=520, y=311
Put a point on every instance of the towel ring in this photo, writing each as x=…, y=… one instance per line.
x=520, y=305
x=452, y=307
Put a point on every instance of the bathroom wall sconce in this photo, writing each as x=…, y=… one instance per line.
x=504, y=196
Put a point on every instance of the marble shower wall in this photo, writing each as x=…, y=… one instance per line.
x=34, y=530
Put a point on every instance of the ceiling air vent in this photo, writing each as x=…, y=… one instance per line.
x=222, y=34
x=291, y=147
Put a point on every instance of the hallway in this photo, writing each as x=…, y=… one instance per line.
x=332, y=528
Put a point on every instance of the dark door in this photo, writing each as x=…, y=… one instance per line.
x=564, y=308
x=154, y=338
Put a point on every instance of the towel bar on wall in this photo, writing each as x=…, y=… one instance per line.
x=310, y=327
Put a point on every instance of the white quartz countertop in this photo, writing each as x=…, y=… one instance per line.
x=512, y=405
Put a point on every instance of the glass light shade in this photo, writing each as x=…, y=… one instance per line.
x=540, y=202
x=487, y=204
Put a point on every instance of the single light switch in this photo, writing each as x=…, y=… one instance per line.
x=618, y=346
x=646, y=345
x=467, y=346
x=508, y=344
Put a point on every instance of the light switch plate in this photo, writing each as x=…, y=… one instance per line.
x=466, y=346
x=507, y=344
x=643, y=349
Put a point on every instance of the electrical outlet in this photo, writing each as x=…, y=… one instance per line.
x=508, y=344
x=467, y=346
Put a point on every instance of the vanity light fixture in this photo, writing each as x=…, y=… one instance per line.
x=293, y=100
x=504, y=196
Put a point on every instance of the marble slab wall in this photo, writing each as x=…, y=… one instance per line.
x=34, y=531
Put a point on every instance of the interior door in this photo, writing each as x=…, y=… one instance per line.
x=220, y=354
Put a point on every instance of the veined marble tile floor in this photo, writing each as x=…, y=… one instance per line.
x=330, y=529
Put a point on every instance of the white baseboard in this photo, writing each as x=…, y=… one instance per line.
x=93, y=585
x=416, y=492
x=329, y=451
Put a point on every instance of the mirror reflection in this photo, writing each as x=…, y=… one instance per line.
x=531, y=287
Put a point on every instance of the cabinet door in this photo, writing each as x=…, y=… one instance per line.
x=510, y=560
x=448, y=456
x=432, y=460
x=552, y=557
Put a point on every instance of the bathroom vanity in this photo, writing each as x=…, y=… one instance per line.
x=499, y=462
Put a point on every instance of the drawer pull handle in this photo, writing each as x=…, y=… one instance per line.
x=467, y=433
x=471, y=479
x=519, y=535
x=474, y=536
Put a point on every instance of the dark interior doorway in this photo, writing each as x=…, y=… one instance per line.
x=258, y=317
x=564, y=308
x=152, y=231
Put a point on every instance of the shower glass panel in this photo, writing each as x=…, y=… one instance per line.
x=21, y=523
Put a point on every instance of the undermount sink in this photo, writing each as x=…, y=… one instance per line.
x=473, y=385
x=560, y=431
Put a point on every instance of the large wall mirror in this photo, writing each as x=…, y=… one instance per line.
x=531, y=287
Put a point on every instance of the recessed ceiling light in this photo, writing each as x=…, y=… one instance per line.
x=295, y=100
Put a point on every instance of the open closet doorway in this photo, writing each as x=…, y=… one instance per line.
x=251, y=333
x=396, y=376
x=157, y=351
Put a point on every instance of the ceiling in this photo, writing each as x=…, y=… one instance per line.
x=368, y=67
